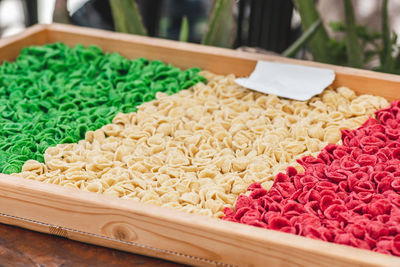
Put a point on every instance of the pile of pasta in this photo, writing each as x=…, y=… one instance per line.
x=349, y=194
x=54, y=94
x=199, y=149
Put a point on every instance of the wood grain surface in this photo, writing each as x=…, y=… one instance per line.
x=165, y=233
x=160, y=232
x=21, y=247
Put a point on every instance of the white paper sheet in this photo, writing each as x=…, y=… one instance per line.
x=287, y=80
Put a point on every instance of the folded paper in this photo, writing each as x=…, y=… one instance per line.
x=287, y=80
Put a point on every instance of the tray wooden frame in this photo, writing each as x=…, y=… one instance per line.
x=159, y=232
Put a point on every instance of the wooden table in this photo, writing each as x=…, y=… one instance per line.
x=21, y=247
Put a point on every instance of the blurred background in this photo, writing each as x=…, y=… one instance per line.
x=357, y=33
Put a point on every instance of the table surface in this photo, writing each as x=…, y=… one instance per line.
x=21, y=247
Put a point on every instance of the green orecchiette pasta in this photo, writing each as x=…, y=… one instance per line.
x=54, y=94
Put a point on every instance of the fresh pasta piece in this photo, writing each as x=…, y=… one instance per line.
x=199, y=149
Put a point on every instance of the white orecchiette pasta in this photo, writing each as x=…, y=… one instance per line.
x=199, y=149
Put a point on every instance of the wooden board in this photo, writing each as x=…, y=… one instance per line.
x=160, y=232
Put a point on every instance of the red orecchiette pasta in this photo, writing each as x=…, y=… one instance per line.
x=349, y=194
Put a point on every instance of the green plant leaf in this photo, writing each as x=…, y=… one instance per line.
x=302, y=40
x=337, y=26
x=387, y=62
x=337, y=49
x=184, y=32
x=366, y=34
x=394, y=39
x=353, y=44
x=127, y=17
x=369, y=54
x=220, y=24
x=318, y=46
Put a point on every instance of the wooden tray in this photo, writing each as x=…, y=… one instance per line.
x=159, y=232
